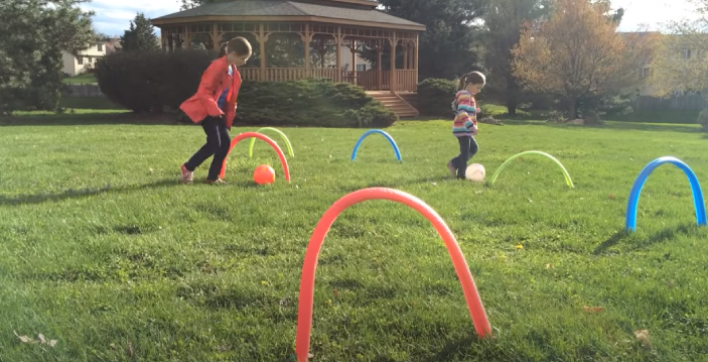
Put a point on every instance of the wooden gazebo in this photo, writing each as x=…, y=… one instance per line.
x=305, y=39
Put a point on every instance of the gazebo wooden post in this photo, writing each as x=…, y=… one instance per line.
x=379, y=50
x=215, y=37
x=170, y=42
x=306, y=40
x=393, y=41
x=405, y=54
x=262, y=38
x=163, y=40
x=339, y=54
x=188, y=36
x=352, y=49
x=417, y=59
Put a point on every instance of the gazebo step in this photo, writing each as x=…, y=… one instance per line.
x=393, y=102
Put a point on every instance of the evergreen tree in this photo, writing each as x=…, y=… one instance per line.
x=141, y=35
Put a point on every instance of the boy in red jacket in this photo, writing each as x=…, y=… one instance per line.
x=214, y=106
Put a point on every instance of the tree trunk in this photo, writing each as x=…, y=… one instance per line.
x=574, y=109
x=512, y=95
x=511, y=106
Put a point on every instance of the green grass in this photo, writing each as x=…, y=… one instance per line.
x=86, y=78
x=100, y=103
x=660, y=116
x=104, y=251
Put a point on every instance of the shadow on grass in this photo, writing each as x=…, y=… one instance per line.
x=400, y=184
x=612, y=241
x=74, y=194
x=664, y=235
x=611, y=125
x=90, y=118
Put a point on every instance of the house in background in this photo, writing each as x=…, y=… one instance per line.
x=86, y=59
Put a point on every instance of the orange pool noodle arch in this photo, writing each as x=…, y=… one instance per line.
x=272, y=144
x=307, y=282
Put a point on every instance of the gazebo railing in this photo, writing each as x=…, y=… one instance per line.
x=369, y=80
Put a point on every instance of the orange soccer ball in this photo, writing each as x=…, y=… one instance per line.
x=264, y=175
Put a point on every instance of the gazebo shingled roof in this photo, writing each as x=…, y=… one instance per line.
x=247, y=8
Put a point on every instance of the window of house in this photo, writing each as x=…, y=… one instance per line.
x=361, y=67
x=99, y=46
x=646, y=71
x=686, y=53
x=80, y=60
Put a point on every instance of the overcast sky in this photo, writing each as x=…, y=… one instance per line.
x=113, y=17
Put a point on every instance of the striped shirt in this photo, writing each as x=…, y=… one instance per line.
x=465, y=108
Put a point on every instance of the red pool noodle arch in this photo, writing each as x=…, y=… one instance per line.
x=307, y=283
x=272, y=143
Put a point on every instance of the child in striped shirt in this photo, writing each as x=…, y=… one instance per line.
x=464, y=126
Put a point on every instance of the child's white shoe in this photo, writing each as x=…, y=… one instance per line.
x=187, y=175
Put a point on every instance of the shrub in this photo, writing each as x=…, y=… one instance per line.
x=703, y=119
x=310, y=102
x=149, y=81
x=152, y=81
x=435, y=97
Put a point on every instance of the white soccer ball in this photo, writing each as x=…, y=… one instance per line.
x=475, y=172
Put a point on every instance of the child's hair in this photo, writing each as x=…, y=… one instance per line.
x=238, y=45
x=474, y=77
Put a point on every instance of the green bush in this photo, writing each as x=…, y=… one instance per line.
x=150, y=81
x=155, y=81
x=703, y=119
x=435, y=97
x=310, y=102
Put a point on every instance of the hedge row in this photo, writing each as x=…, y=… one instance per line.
x=435, y=97
x=159, y=81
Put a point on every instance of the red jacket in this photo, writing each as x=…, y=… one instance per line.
x=214, y=81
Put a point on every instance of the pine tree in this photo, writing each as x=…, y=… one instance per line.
x=141, y=35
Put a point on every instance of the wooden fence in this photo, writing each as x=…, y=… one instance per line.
x=677, y=103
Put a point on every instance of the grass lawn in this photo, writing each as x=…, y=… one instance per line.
x=86, y=78
x=92, y=103
x=105, y=252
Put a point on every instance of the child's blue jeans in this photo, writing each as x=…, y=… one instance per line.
x=468, y=148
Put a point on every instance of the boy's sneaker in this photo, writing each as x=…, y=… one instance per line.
x=187, y=175
x=453, y=170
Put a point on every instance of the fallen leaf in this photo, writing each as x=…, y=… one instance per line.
x=129, y=350
x=52, y=343
x=643, y=336
x=519, y=246
x=41, y=338
x=336, y=293
x=549, y=266
x=612, y=196
x=593, y=309
x=24, y=339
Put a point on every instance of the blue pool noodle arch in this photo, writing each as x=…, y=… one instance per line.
x=631, y=223
x=388, y=137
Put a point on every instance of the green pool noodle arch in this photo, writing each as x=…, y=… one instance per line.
x=512, y=158
x=282, y=135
